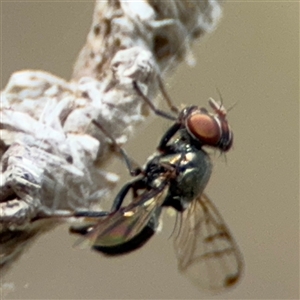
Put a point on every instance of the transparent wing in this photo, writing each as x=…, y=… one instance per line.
x=124, y=224
x=207, y=253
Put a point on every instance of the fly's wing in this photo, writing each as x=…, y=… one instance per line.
x=124, y=224
x=206, y=252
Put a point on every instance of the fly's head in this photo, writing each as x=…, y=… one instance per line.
x=210, y=129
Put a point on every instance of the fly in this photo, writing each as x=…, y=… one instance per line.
x=175, y=176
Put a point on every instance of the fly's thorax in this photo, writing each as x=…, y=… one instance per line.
x=194, y=173
x=170, y=159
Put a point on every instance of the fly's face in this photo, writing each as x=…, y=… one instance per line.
x=209, y=129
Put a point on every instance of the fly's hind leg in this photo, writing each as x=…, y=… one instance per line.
x=118, y=201
x=92, y=217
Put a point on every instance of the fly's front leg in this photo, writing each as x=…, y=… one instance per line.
x=163, y=146
x=152, y=106
x=170, y=103
x=132, y=166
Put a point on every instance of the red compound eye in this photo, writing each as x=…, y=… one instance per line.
x=205, y=128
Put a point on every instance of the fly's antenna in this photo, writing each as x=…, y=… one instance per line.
x=221, y=97
x=218, y=107
x=232, y=106
x=222, y=102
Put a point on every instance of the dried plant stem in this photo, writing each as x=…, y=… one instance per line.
x=51, y=153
